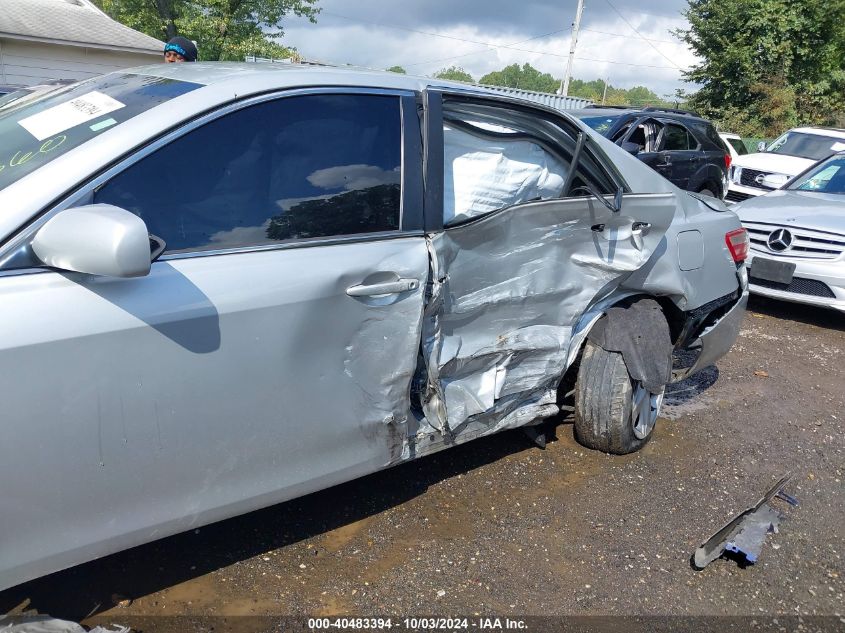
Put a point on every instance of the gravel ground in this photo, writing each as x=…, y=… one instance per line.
x=499, y=526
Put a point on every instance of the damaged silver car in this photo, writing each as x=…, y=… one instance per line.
x=225, y=286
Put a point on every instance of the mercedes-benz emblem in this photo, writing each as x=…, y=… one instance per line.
x=779, y=240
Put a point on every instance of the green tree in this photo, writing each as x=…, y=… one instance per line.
x=454, y=73
x=767, y=65
x=397, y=69
x=525, y=78
x=222, y=29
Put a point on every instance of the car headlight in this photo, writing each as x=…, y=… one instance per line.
x=736, y=174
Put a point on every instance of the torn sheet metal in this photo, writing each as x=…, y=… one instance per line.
x=507, y=291
x=640, y=332
x=746, y=533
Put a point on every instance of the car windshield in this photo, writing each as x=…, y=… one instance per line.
x=601, y=124
x=36, y=131
x=813, y=146
x=9, y=97
x=827, y=177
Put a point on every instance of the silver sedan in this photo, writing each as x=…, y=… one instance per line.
x=225, y=286
x=797, y=237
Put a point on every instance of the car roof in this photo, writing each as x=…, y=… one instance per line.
x=617, y=111
x=268, y=76
x=821, y=131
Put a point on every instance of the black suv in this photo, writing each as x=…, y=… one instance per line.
x=678, y=144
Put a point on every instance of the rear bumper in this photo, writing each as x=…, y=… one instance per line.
x=716, y=339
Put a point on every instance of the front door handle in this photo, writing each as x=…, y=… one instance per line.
x=383, y=288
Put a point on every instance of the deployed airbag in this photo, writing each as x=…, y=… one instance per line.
x=482, y=174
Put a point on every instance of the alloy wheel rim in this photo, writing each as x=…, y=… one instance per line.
x=645, y=407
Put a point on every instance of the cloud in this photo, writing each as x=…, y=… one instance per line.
x=240, y=236
x=353, y=177
x=370, y=39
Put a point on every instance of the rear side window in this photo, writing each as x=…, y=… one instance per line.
x=705, y=133
x=497, y=157
x=488, y=167
x=295, y=168
x=676, y=138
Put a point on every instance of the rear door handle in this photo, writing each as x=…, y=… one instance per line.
x=383, y=288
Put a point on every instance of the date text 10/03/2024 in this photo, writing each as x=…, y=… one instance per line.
x=418, y=624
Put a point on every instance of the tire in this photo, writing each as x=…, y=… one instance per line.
x=613, y=413
x=706, y=191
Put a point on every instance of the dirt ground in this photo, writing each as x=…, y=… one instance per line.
x=499, y=526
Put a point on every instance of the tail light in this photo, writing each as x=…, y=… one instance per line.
x=728, y=160
x=737, y=241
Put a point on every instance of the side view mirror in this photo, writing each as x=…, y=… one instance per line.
x=631, y=148
x=98, y=239
x=774, y=181
x=761, y=146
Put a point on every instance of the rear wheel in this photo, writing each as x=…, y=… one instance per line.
x=613, y=413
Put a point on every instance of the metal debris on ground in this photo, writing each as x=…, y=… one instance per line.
x=746, y=533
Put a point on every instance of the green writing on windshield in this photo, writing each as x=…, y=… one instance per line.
x=23, y=156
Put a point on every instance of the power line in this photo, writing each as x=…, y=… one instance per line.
x=650, y=39
x=491, y=45
x=486, y=50
x=643, y=37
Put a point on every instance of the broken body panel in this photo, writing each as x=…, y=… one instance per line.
x=231, y=380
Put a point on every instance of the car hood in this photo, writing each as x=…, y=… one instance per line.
x=774, y=163
x=812, y=210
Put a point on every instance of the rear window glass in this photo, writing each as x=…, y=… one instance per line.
x=36, y=132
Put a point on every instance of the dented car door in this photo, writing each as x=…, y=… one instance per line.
x=510, y=283
x=249, y=366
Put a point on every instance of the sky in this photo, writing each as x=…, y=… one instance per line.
x=628, y=42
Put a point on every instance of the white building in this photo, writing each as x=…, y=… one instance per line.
x=44, y=40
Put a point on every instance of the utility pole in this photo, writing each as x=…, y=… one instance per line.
x=564, y=85
x=604, y=95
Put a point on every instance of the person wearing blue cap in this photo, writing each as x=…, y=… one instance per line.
x=180, y=49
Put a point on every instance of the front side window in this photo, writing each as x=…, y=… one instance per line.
x=644, y=135
x=294, y=168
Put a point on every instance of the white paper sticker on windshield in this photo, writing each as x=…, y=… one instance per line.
x=838, y=147
x=70, y=114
